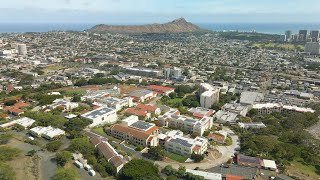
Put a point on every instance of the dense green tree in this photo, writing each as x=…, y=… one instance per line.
x=139, y=169
x=197, y=157
x=54, y=146
x=173, y=95
x=65, y=174
x=82, y=145
x=157, y=152
x=63, y=157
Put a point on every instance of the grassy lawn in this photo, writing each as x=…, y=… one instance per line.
x=75, y=91
x=100, y=131
x=171, y=102
x=278, y=46
x=176, y=157
x=52, y=68
x=312, y=171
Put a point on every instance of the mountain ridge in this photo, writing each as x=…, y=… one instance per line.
x=176, y=26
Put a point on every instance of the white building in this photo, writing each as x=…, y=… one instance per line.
x=249, y=98
x=173, y=73
x=101, y=116
x=236, y=108
x=115, y=103
x=186, y=146
x=22, y=49
x=53, y=133
x=225, y=116
x=268, y=108
x=209, y=95
x=205, y=175
x=173, y=119
x=269, y=165
x=312, y=48
x=253, y=125
x=66, y=105
x=46, y=132
x=25, y=122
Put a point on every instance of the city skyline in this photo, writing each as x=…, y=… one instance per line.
x=149, y=11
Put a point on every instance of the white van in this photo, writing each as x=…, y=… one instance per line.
x=78, y=164
x=92, y=172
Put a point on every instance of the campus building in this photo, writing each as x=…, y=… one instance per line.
x=208, y=95
x=174, y=120
x=101, y=116
x=135, y=131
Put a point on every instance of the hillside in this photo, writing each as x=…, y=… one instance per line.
x=176, y=26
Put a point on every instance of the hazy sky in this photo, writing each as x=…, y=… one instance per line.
x=145, y=11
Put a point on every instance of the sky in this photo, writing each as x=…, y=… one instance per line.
x=159, y=11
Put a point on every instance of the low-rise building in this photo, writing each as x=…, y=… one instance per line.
x=141, y=95
x=161, y=89
x=268, y=108
x=61, y=103
x=219, y=137
x=269, y=165
x=225, y=117
x=109, y=153
x=186, y=146
x=236, y=108
x=143, y=72
x=24, y=122
x=250, y=98
x=47, y=132
x=206, y=175
x=200, y=112
x=115, y=103
x=101, y=116
x=135, y=131
x=249, y=161
x=174, y=120
x=253, y=125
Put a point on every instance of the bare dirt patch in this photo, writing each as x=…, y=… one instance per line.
x=26, y=167
x=315, y=130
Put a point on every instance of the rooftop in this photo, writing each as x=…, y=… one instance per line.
x=141, y=125
x=97, y=112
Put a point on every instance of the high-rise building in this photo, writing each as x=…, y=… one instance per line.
x=314, y=35
x=288, y=35
x=172, y=73
x=22, y=49
x=303, y=35
x=312, y=48
x=209, y=95
x=167, y=73
x=176, y=73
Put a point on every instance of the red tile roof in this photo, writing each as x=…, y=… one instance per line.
x=148, y=108
x=216, y=137
x=196, y=148
x=127, y=130
x=13, y=110
x=106, y=151
x=232, y=177
x=136, y=112
x=21, y=105
x=160, y=88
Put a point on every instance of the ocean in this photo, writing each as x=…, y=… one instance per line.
x=269, y=28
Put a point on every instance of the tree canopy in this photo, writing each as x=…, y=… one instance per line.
x=139, y=169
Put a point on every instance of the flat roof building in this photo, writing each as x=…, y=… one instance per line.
x=101, y=116
x=249, y=98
